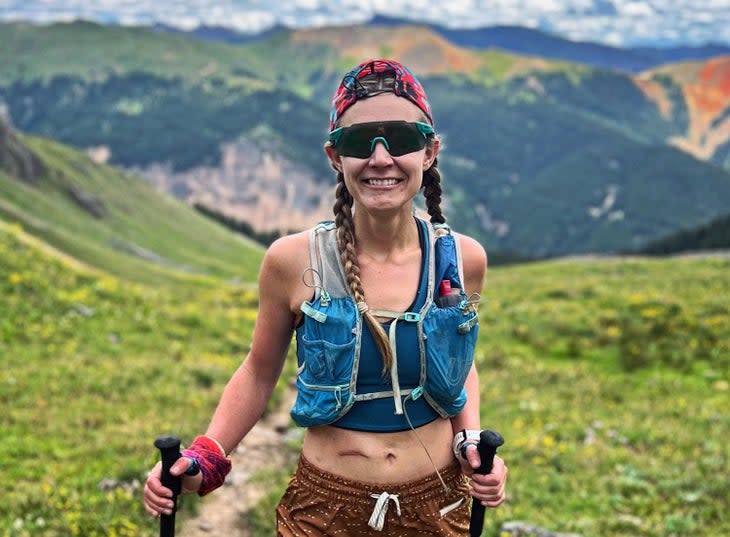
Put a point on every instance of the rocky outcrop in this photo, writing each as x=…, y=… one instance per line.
x=87, y=201
x=705, y=89
x=15, y=158
x=252, y=185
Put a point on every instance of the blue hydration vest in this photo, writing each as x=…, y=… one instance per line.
x=328, y=339
x=376, y=415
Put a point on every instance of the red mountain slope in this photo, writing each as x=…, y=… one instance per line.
x=706, y=90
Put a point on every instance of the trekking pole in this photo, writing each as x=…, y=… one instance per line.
x=489, y=441
x=169, y=447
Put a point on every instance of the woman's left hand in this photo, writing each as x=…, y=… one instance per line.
x=487, y=488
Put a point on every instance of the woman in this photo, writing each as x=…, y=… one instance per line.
x=386, y=384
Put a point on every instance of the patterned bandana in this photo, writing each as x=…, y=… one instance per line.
x=351, y=89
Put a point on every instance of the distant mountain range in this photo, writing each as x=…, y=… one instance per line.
x=518, y=39
x=542, y=157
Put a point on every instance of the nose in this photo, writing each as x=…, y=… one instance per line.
x=380, y=155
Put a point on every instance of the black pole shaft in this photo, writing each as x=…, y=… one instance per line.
x=489, y=441
x=169, y=447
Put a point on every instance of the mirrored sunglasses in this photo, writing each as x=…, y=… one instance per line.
x=398, y=137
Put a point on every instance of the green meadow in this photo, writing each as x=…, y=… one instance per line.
x=608, y=379
x=94, y=368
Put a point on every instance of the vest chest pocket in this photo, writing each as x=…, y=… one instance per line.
x=323, y=381
x=322, y=362
x=326, y=343
x=325, y=357
x=450, y=340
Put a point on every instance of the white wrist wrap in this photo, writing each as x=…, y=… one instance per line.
x=464, y=438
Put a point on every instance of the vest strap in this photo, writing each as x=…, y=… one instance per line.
x=378, y=395
x=394, y=369
x=467, y=325
x=408, y=316
x=309, y=311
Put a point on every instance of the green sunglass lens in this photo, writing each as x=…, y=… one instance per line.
x=404, y=140
x=399, y=137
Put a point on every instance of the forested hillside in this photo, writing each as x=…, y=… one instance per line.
x=541, y=158
x=713, y=236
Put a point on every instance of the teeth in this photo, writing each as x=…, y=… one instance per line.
x=382, y=182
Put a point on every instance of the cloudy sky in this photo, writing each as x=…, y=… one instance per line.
x=615, y=22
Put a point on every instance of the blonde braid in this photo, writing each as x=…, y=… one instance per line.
x=346, y=247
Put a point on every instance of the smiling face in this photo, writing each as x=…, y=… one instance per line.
x=382, y=183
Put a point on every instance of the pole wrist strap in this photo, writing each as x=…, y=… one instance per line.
x=462, y=439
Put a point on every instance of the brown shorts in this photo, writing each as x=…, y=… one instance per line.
x=320, y=504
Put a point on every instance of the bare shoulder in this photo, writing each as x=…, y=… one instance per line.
x=286, y=258
x=472, y=252
x=284, y=264
x=288, y=250
x=474, y=259
x=280, y=293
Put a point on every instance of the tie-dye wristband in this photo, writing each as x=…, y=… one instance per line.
x=214, y=465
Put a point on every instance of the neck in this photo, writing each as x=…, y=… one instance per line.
x=379, y=236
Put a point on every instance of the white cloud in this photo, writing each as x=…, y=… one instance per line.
x=637, y=9
x=609, y=21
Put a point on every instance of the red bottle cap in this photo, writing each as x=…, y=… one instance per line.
x=445, y=288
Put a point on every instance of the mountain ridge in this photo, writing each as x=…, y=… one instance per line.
x=510, y=38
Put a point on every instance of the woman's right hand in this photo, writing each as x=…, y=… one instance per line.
x=157, y=498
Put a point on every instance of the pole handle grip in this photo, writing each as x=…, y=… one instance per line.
x=489, y=441
x=169, y=447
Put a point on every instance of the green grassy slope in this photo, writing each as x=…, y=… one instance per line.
x=94, y=368
x=610, y=381
x=141, y=235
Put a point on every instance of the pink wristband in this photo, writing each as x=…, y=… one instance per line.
x=214, y=465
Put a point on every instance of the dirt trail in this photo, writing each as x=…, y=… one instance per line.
x=224, y=511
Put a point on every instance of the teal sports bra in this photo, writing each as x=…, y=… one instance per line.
x=377, y=415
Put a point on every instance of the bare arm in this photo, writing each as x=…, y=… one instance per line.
x=248, y=391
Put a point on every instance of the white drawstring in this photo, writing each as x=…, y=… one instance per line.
x=377, y=519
